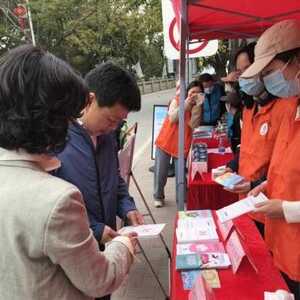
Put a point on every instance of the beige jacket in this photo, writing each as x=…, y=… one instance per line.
x=47, y=250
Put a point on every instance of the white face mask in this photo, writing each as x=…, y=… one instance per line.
x=277, y=85
x=208, y=90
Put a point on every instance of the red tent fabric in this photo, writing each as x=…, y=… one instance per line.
x=231, y=19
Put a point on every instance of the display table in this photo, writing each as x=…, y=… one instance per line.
x=246, y=284
x=203, y=192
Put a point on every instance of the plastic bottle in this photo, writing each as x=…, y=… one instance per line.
x=221, y=146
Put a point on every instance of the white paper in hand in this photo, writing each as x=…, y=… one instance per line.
x=146, y=231
x=239, y=208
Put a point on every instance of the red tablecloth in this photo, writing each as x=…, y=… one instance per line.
x=204, y=193
x=246, y=284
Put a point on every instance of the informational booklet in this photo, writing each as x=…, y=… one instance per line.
x=190, y=223
x=146, y=231
x=204, y=213
x=214, y=260
x=229, y=180
x=196, y=234
x=188, y=262
x=239, y=208
x=212, y=278
x=200, y=247
x=189, y=278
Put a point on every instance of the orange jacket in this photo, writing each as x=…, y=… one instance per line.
x=259, y=134
x=284, y=183
x=167, y=139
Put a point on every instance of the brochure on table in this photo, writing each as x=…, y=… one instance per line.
x=199, y=248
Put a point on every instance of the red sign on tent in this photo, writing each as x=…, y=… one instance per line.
x=223, y=19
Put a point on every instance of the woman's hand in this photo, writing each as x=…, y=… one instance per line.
x=258, y=189
x=271, y=208
x=241, y=188
x=189, y=103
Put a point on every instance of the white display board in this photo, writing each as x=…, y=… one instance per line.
x=159, y=114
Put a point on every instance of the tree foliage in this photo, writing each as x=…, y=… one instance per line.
x=88, y=32
x=219, y=61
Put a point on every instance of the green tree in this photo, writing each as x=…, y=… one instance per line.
x=88, y=32
x=219, y=61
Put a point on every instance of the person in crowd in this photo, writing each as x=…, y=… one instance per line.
x=47, y=248
x=212, y=107
x=90, y=158
x=167, y=140
x=234, y=109
x=261, y=122
x=277, y=64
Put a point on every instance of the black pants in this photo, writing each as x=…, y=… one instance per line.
x=294, y=286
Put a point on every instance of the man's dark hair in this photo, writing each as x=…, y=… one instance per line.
x=113, y=85
x=39, y=95
x=205, y=77
x=195, y=83
x=248, y=49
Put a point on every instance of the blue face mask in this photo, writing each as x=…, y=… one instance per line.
x=251, y=86
x=277, y=85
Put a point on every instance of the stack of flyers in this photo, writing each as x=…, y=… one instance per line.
x=214, y=260
x=193, y=235
x=188, y=262
x=205, y=213
x=211, y=277
x=200, y=247
x=189, y=278
x=229, y=180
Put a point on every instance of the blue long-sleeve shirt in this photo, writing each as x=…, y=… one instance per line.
x=95, y=171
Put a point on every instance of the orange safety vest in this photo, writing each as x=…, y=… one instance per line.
x=258, y=137
x=284, y=183
x=167, y=139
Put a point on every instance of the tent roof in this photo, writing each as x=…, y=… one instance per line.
x=230, y=19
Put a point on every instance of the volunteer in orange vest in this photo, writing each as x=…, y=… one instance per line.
x=261, y=123
x=167, y=140
x=277, y=64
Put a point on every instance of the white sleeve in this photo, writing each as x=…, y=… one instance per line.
x=291, y=211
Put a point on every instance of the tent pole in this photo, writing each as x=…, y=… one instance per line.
x=182, y=67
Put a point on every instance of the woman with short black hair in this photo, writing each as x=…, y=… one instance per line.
x=47, y=249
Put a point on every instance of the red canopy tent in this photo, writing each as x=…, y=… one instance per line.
x=222, y=19
x=230, y=19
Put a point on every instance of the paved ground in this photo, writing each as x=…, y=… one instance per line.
x=141, y=283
